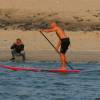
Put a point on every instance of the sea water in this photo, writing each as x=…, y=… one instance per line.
x=28, y=85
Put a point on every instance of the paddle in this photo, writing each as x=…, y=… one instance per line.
x=55, y=48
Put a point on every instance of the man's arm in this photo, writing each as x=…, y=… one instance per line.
x=22, y=47
x=13, y=46
x=49, y=30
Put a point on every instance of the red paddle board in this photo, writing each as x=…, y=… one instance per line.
x=39, y=69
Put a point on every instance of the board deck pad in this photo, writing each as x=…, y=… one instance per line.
x=39, y=69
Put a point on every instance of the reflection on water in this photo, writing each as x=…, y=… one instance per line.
x=27, y=85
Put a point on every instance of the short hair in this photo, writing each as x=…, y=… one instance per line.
x=18, y=39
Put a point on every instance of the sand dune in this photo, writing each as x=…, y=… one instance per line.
x=70, y=14
x=28, y=20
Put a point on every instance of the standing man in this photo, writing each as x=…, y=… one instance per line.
x=17, y=49
x=63, y=43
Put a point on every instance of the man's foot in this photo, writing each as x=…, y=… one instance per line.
x=12, y=59
x=62, y=68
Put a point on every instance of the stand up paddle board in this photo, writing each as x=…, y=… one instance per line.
x=39, y=69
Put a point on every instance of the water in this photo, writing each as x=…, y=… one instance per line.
x=27, y=85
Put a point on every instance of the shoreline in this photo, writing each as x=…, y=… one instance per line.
x=50, y=55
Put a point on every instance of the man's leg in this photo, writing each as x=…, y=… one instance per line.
x=13, y=54
x=64, y=47
x=63, y=61
x=23, y=55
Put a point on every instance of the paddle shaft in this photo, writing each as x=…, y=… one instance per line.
x=54, y=47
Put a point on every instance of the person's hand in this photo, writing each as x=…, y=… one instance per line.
x=40, y=30
x=22, y=52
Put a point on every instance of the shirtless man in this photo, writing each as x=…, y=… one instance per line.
x=63, y=43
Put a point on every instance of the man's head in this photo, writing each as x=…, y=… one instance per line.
x=18, y=41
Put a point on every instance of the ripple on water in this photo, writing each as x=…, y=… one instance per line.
x=50, y=86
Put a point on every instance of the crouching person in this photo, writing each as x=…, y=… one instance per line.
x=17, y=49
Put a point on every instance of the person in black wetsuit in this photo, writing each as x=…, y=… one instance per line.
x=17, y=49
x=63, y=44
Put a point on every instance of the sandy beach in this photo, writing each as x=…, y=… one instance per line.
x=85, y=46
x=22, y=18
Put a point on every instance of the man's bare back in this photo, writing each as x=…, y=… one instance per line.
x=60, y=32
